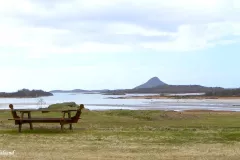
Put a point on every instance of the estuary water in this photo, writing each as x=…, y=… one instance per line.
x=104, y=102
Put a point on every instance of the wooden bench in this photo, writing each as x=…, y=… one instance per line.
x=62, y=121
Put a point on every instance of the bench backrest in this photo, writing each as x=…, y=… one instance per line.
x=14, y=114
x=78, y=114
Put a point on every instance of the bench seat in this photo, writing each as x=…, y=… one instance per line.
x=43, y=120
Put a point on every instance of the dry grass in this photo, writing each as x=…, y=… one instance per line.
x=131, y=135
x=90, y=146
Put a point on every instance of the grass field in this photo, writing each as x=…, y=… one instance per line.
x=125, y=134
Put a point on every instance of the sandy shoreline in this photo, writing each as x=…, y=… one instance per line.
x=176, y=97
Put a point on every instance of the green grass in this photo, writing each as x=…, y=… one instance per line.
x=126, y=134
x=65, y=105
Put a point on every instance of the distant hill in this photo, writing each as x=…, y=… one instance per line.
x=176, y=89
x=170, y=89
x=69, y=91
x=151, y=83
x=25, y=93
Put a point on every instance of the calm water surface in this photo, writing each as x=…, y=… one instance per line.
x=102, y=102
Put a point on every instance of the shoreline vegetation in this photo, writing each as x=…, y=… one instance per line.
x=214, y=94
x=176, y=97
x=25, y=93
x=168, y=89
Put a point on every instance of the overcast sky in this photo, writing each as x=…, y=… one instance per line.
x=110, y=44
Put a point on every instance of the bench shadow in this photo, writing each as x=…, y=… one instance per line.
x=40, y=130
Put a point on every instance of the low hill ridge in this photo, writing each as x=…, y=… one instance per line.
x=151, y=83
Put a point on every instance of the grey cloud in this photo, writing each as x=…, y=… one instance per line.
x=157, y=18
x=92, y=25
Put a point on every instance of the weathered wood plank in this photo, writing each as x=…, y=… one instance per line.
x=21, y=120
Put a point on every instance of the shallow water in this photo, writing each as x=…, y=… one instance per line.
x=102, y=102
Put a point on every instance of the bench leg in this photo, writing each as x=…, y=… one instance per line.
x=70, y=126
x=30, y=124
x=61, y=127
x=19, y=127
